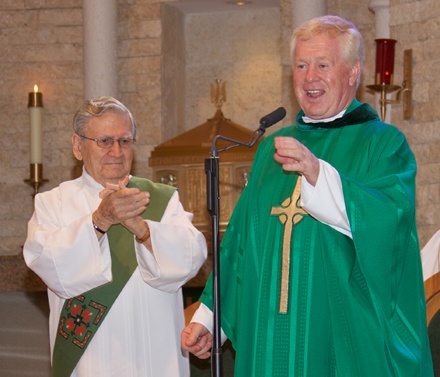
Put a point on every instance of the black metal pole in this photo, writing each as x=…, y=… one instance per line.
x=212, y=170
x=213, y=198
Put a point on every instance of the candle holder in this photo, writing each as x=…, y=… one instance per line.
x=385, y=75
x=36, y=179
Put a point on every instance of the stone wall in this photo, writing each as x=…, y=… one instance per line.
x=41, y=43
x=415, y=24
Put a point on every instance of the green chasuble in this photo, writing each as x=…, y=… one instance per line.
x=355, y=307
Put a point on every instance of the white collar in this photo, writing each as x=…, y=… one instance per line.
x=306, y=119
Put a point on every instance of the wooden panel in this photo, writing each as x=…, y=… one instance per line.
x=432, y=295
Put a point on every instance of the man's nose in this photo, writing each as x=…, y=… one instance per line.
x=311, y=73
x=115, y=149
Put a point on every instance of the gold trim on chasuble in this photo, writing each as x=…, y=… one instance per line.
x=289, y=213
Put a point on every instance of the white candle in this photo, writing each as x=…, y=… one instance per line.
x=35, y=105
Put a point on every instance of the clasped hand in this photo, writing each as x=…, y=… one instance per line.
x=196, y=338
x=122, y=205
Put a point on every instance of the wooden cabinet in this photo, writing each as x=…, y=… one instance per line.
x=180, y=162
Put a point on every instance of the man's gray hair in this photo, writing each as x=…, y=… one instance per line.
x=97, y=106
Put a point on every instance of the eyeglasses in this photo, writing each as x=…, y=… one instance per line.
x=106, y=142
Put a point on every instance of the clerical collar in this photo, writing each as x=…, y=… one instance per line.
x=306, y=119
x=356, y=113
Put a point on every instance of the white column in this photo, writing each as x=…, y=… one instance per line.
x=100, y=22
x=304, y=10
x=381, y=9
x=299, y=12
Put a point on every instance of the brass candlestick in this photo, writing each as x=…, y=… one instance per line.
x=405, y=89
x=36, y=179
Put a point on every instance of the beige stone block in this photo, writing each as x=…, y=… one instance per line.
x=425, y=233
x=140, y=166
x=149, y=84
x=60, y=17
x=429, y=173
x=18, y=157
x=12, y=245
x=430, y=53
x=12, y=19
x=67, y=97
x=139, y=47
x=429, y=29
x=428, y=195
x=405, y=13
x=140, y=10
x=13, y=176
x=143, y=102
x=41, y=53
x=428, y=132
x=140, y=29
x=429, y=216
x=426, y=112
x=59, y=140
x=128, y=84
x=429, y=9
x=39, y=73
x=420, y=91
x=149, y=133
x=48, y=4
x=10, y=5
x=139, y=65
x=17, y=196
x=49, y=35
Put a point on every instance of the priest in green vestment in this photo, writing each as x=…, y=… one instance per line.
x=320, y=265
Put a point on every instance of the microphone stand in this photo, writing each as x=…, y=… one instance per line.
x=212, y=170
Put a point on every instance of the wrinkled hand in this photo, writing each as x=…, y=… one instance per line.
x=294, y=156
x=196, y=338
x=122, y=205
x=111, y=187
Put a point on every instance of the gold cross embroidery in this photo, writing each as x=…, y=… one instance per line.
x=290, y=213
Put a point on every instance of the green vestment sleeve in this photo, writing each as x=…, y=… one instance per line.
x=356, y=305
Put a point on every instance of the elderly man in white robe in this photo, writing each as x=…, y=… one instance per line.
x=114, y=251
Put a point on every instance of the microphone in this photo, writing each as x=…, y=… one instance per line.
x=272, y=118
x=265, y=122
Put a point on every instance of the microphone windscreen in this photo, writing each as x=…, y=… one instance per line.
x=273, y=117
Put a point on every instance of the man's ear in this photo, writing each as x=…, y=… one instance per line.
x=355, y=71
x=77, y=144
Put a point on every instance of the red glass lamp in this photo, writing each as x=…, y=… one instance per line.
x=384, y=76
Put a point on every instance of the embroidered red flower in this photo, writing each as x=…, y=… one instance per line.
x=79, y=330
x=76, y=310
x=78, y=319
x=87, y=315
x=70, y=324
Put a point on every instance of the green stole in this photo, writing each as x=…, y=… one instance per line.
x=82, y=315
x=355, y=306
